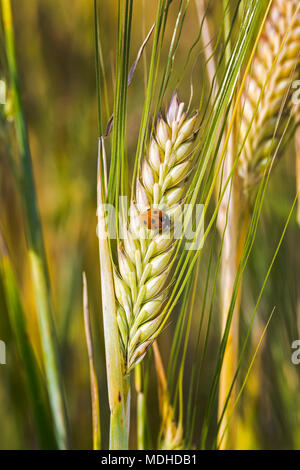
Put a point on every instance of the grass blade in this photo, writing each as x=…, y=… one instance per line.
x=37, y=254
x=34, y=381
x=93, y=376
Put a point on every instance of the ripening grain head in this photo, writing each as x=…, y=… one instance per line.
x=144, y=258
x=269, y=112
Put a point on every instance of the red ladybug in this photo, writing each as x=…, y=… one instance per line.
x=155, y=219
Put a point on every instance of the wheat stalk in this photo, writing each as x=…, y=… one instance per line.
x=269, y=123
x=145, y=255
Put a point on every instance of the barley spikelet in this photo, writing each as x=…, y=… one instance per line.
x=144, y=256
x=271, y=127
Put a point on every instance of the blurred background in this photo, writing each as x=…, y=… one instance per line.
x=55, y=48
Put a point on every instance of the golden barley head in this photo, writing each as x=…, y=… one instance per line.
x=145, y=254
x=268, y=109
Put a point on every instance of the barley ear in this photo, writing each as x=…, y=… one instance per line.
x=145, y=256
x=269, y=109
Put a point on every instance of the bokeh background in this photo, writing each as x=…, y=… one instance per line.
x=55, y=46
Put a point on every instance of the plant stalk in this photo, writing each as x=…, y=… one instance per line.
x=118, y=387
x=228, y=275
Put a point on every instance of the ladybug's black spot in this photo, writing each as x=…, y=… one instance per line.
x=119, y=396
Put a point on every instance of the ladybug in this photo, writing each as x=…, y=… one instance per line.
x=155, y=219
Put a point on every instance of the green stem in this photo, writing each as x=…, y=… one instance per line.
x=37, y=254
